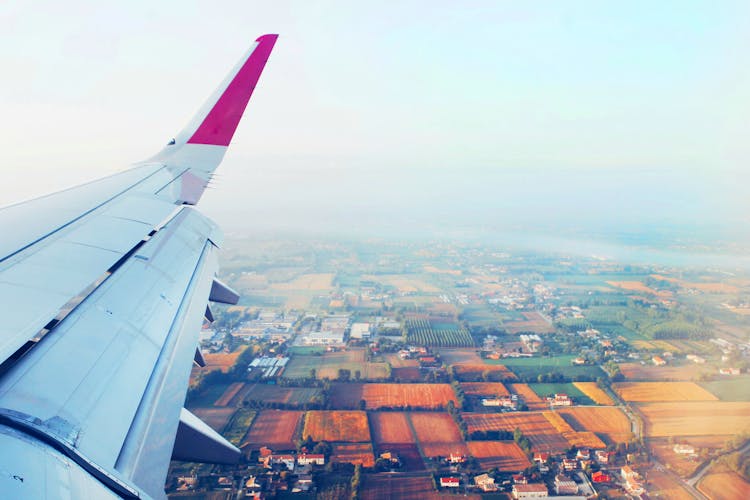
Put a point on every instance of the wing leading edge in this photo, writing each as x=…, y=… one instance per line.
x=106, y=287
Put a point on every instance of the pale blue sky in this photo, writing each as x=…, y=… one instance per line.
x=614, y=111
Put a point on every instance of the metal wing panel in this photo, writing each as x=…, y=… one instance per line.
x=104, y=353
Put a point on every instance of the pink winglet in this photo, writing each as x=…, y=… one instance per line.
x=219, y=125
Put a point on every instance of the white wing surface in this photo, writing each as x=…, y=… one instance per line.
x=103, y=290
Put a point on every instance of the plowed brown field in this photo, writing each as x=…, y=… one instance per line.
x=505, y=455
x=344, y=426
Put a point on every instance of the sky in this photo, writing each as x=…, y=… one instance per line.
x=626, y=120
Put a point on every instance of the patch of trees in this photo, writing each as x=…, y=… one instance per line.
x=491, y=435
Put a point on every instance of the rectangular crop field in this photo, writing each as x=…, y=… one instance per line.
x=734, y=389
x=437, y=434
x=276, y=429
x=695, y=418
x=609, y=423
x=533, y=425
x=426, y=396
x=484, y=389
x=494, y=372
x=229, y=394
x=216, y=418
x=531, y=398
x=239, y=425
x=391, y=427
x=533, y=367
x=267, y=393
x=662, y=391
x=345, y=426
x=349, y=453
x=379, y=486
x=329, y=364
x=637, y=371
x=583, y=439
x=505, y=455
x=724, y=485
x=594, y=392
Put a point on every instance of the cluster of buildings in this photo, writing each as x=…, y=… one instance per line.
x=268, y=366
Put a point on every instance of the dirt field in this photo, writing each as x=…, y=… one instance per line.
x=475, y=372
x=611, y=424
x=505, y=455
x=407, y=373
x=219, y=361
x=391, y=427
x=541, y=433
x=437, y=434
x=392, y=395
x=592, y=390
x=695, y=418
x=724, y=485
x=533, y=322
x=662, y=391
x=307, y=282
x=229, y=394
x=216, y=418
x=276, y=429
x=460, y=356
x=662, y=485
x=484, y=389
x=636, y=371
x=360, y=453
x=532, y=400
x=393, y=486
x=344, y=426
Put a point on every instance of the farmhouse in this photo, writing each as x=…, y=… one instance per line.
x=583, y=454
x=541, y=457
x=503, y=401
x=456, y=458
x=684, y=449
x=560, y=399
x=602, y=456
x=485, y=482
x=658, y=360
x=565, y=486
x=531, y=490
x=285, y=460
x=449, y=482
x=696, y=359
x=311, y=458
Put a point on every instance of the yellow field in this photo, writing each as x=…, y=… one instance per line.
x=592, y=390
x=606, y=421
x=709, y=418
x=583, y=439
x=662, y=391
x=724, y=485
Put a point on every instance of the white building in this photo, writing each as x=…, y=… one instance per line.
x=360, y=331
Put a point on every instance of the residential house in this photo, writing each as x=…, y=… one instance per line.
x=450, y=482
x=531, y=490
x=485, y=482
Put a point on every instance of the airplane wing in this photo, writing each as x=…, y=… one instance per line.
x=103, y=290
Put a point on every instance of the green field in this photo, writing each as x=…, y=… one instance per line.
x=422, y=332
x=527, y=368
x=329, y=364
x=734, y=389
x=301, y=349
x=544, y=390
x=238, y=426
x=293, y=396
